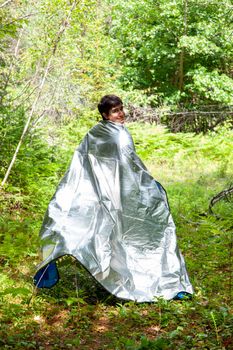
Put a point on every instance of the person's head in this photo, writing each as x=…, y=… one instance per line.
x=111, y=108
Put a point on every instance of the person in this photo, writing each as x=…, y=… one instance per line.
x=112, y=216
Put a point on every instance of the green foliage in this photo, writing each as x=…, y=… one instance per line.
x=158, y=344
x=211, y=85
x=161, y=45
x=11, y=127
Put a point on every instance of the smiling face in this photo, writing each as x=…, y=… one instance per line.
x=116, y=114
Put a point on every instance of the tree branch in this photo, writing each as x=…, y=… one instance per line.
x=5, y=3
x=221, y=195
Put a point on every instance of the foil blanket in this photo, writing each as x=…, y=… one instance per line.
x=112, y=216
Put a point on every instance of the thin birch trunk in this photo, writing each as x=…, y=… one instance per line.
x=5, y=3
x=40, y=88
x=181, y=65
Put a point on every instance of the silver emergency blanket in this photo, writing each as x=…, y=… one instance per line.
x=112, y=216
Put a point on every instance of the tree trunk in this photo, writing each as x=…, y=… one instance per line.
x=182, y=54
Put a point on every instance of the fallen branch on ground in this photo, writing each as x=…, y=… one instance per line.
x=225, y=194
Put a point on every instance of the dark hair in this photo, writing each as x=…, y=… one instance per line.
x=107, y=102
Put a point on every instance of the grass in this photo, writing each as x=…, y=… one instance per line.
x=78, y=314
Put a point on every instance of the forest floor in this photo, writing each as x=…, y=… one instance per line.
x=76, y=313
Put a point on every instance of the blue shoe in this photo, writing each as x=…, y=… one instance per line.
x=183, y=296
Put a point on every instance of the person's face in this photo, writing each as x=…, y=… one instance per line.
x=116, y=114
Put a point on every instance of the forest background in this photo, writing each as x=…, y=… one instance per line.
x=171, y=62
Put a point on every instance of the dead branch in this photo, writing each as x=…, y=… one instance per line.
x=193, y=113
x=145, y=114
x=225, y=194
x=196, y=121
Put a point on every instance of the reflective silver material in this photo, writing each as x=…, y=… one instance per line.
x=113, y=217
